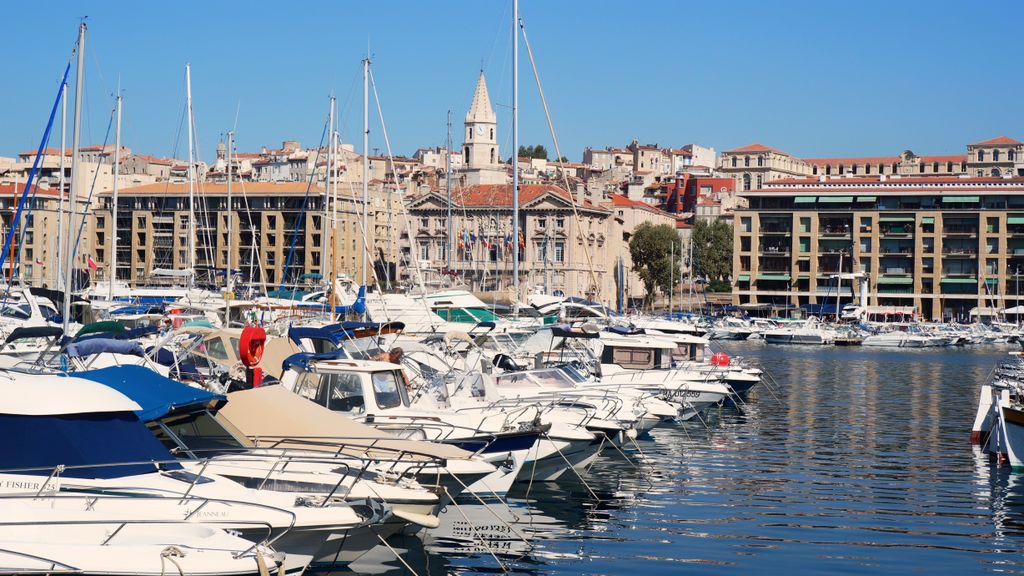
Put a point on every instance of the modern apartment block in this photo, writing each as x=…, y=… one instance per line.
x=274, y=237
x=941, y=244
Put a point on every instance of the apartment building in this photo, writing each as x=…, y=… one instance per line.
x=277, y=230
x=940, y=244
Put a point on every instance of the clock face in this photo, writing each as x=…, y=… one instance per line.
x=480, y=130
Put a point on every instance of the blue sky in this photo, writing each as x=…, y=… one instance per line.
x=812, y=78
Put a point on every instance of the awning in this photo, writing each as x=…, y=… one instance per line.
x=743, y=278
x=157, y=395
x=804, y=199
x=960, y=199
x=896, y=219
x=895, y=280
x=773, y=276
x=866, y=198
x=991, y=281
x=835, y=199
x=1015, y=220
x=959, y=280
x=928, y=220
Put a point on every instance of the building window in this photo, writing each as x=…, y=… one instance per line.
x=492, y=134
x=920, y=168
x=542, y=223
x=733, y=161
x=492, y=155
x=746, y=181
x=746, y=161
x=559, y=251
x=981, y=155
x=867, y=168
x=424, y=223
x=559, y=222
x=540, y=250
x=424, y=250
x=842, y=169
x=469, y=133
x=995, y=155
x=853, y=169
x=1011, y=155
x=949, y=167
x=759, y=180
x=760, y=160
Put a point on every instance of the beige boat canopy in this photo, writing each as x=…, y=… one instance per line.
x=273, y=417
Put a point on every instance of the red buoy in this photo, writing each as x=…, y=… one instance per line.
x=720, y=359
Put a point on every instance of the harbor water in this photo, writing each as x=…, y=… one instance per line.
x=862, y=465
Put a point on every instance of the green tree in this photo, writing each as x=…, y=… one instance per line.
x=651, y=248
x=712, y=250
x=538, y=152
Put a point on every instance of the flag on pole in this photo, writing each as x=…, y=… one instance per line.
x=92, y=263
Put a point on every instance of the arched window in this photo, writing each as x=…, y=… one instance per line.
x=746, y=161
x=867, y=168
x=746, y=181
x=814, y=169
x=996, y=173
x=949, y=167
x=759, y=181
x=981, y=155
x=492, y=155
x=733, y=161
x=842, y=169
x=466, y=154
x=492, y=134
x=469, y=133
x=1011, y=155
x=995, y=155
x=760, y=160
x=828, y=169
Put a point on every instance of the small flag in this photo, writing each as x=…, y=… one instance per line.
x=92, y=263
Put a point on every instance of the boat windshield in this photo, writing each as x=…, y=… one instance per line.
x=198, y=433
x=90, y=445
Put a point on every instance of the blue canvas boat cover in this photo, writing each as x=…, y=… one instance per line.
x=157, y=395
x=92, y=346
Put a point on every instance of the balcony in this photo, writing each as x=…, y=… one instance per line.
x=897, y=231
x=1015, y=230
x=774, y=251
x=959, y=230
x=896, y=251
x=962, y=252
x=834, y=231
x=775, y=229
x=896, y=271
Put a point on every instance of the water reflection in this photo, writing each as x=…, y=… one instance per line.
x=862, y=465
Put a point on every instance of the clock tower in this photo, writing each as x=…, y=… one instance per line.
x=480, y=155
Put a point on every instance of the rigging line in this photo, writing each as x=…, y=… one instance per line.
x=558, y=154
x=88, y=200
x=32, y=174
x=252, y=231
x=391, y=161
x=302, y=212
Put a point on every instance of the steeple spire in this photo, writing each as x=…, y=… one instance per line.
x=481, y=110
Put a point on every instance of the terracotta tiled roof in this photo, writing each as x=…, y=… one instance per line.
x=9, y=190
x=682, y=224
x=47, y=152
x=757, y=148
x=154, y=159
x=999, y=140
x=620, y=201
x=891, y=180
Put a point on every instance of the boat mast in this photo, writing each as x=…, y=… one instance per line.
x=366, y=165
x=76, y=133
x=515, y=158
x=58, y=275
x=839, y=286
x=671, y=274
x=448, y=185
x=112, y=273
x=191, y=179
x=326, y=237
x=230, y=222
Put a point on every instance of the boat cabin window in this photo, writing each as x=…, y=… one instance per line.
x=692, y=352
x=635, y=358
x=362, y=348
x=22, y=312
x=386, y=389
